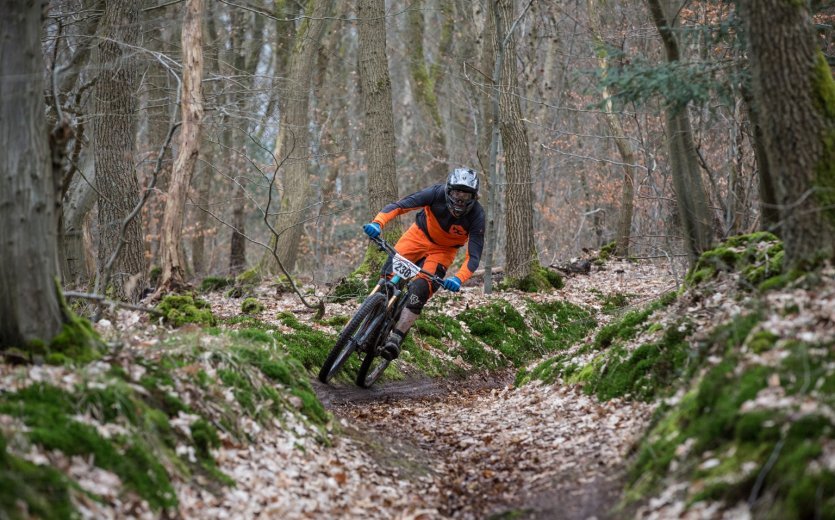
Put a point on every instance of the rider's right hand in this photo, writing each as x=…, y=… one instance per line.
x=372, y=229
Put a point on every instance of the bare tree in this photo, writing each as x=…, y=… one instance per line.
x=29, y=306
x=173, y=261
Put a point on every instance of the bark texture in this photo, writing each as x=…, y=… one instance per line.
x=520, y=249
x=693, y=210
x=78, y=202
x=191, y=105
x=795, y=97
x=378, y=125
x=293, y=143
x=425, y=82
x=114, y=128
x=29, y=308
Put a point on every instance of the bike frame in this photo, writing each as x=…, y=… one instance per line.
x=375, y=318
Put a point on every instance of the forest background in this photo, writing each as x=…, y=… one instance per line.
x=193, y=138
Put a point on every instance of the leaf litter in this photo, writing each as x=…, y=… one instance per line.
x=465, y=452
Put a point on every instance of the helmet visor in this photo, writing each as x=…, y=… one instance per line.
x=459, y=201
x=460, y=196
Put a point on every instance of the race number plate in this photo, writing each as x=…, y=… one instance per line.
x=404, y=268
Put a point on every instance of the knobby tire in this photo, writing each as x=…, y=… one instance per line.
x=370, y=371
x=346, y=344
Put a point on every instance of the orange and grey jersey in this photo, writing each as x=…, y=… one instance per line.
x=440, y=227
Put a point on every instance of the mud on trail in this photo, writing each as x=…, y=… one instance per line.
x=479, y=448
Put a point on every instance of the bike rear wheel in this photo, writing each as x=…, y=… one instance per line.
x=371, y=369
x=350, y=337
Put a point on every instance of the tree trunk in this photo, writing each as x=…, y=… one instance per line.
x=624, y=145
x=203, y=186
x=492, y=56
x=794, y=98
x=78, y=201
x=114, y=128
x=293, y=142
x=769, y=213
x=693, y=209
x=191, y=103
x=423, y=79
x=378, y=124
x=237, y=243
x=29, y=307
x=520, y=250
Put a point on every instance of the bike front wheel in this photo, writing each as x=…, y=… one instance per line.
x=349, y=338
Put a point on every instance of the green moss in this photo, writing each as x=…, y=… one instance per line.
x=205, y=438
x=215, y=283
x=447, y=335
x=28, y=490
x=762, y=341
x=647, y=371
x=612, y=303
x=76, y=342
x=350, y=288
x=47, y=411
x=311, y=406
x=426, y=327
x=756, y=257
x=607, y=251
x=560, y=323
x=540, y=279
x=181, y=309
x=825, y=169
x=729, y=336
x=154, y=275
x=241, y=386
x=336, y=321
x=502, y=327
x=630, y=324
x=624, y=329
x=251, y=306
x=256, y=335
x=290, y=319
x=249, y=277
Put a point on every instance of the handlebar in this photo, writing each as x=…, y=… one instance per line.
x=388, y=248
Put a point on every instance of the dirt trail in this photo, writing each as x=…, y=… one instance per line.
x=481, y=448
x=534, y=452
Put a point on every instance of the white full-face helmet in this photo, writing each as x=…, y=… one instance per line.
x=461, y=191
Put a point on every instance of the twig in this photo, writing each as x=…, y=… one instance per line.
x=113, y=303
x=320, y=307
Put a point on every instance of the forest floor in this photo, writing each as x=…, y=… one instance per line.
x=418, y=448
x=472, y=448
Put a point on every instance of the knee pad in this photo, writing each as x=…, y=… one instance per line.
x=419, y=293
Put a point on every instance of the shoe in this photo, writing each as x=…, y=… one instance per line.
x=391, y=349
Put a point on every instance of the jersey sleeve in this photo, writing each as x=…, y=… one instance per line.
x=475, y=245
x=406, y=204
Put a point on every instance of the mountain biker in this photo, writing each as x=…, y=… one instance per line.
x=449, y=217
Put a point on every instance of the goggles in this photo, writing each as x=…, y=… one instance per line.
x=460, y=196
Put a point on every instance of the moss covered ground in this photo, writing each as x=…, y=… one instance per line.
x=745, y=406
x=257, y=364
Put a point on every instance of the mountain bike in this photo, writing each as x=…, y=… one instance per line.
x=368, y=328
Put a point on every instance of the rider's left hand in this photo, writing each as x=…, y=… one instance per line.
x=452, y=284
